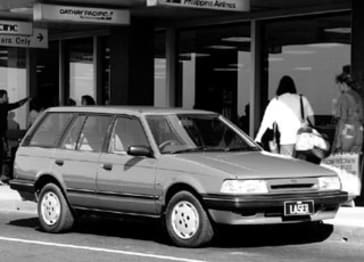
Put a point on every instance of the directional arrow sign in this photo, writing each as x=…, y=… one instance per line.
x=39, y=39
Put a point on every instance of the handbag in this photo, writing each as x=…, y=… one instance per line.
x=310, y=144
x=274, y=142
x=270, y=139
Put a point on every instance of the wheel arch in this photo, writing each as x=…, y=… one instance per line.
x=177, y=187
x=45, y=179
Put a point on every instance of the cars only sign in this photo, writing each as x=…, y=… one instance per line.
x=38, y=39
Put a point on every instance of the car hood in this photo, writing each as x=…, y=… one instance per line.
x=255, y=165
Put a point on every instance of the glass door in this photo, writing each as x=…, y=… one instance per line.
x=80, y=63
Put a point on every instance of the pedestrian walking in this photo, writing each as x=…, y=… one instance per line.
x=283, y=115
x=349, y=115
x=5, y=107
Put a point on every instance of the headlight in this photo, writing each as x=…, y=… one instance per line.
x=329, y=183
x=244, y=187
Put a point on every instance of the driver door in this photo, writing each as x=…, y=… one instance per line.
x=126, y=183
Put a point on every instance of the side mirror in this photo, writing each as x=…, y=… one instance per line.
x=140, y=151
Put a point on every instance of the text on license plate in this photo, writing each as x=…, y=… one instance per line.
x=298, y=208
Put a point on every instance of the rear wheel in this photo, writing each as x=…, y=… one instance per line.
x=53, y=210
x=187, y=222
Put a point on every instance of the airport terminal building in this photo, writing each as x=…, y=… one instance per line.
x=222, y=55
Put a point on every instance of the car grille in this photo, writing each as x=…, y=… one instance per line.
x=292, y=185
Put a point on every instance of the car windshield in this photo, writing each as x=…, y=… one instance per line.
x=183, y=133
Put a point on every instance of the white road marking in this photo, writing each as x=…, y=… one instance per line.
x=97, y=249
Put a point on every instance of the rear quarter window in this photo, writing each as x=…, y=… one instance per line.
x=50, y=130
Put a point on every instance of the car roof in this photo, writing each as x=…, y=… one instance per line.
x=133, y=110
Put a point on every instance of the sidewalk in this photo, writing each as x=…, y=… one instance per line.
x=10, y=201
x=348, y=223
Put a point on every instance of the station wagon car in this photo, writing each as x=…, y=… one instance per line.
x=191, y=168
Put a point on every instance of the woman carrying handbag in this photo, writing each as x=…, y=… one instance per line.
x=284, y=111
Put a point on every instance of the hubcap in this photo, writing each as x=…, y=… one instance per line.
x=50, y=208
x=185, y=219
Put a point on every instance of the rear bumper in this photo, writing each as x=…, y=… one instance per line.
x=269, y=209
x=25, y=188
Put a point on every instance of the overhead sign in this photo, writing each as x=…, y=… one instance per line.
x=226, y=5
x=15, y=28
x=58, y=13
x=39, y=39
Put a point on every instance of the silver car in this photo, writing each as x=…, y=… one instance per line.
x=192, y=169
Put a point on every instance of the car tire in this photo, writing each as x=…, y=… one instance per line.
x=53, y=210
x=186, y=221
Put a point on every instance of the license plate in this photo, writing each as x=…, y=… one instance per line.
x=298, y=208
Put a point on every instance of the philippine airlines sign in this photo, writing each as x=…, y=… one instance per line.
x=226, y=5
x=76, y=14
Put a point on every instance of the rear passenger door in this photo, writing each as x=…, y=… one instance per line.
x=126, y=183
x=78, y=158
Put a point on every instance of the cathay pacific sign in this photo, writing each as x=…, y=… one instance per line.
x=226, y=5
x=77, y=14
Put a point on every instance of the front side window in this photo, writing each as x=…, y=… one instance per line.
x=193, y=132
x=128, y=131
x=50, y=130
x=93, y=134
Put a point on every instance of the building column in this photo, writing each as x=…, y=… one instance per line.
x=357, y=39
x=119, y=64
x=132, y=64
x=97, y=58
x=141, y=63
x=357, y=61
x=31, y=72
x=171, y=67
x=258, y=91
x=62, y=73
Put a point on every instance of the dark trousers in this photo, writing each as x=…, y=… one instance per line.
x=3, y=155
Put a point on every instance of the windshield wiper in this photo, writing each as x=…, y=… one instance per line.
x=215, y=149
x=200, y=149
x=243, y=149
x=188, y=150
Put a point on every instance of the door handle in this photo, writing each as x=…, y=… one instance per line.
x=59, y=162
x=107, y=167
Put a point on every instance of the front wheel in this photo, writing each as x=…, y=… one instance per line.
x=187, y=222
x=53, y=210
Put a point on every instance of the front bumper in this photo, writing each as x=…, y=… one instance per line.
x=269, y=209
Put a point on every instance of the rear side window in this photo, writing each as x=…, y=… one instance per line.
x=93, y=133
x=71, y=137
x=127, y=132
x=50, y=130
